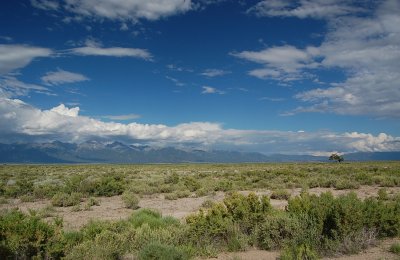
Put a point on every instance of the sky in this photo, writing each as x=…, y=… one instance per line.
x=293, y=77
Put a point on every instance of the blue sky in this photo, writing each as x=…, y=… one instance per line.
x=305, y=76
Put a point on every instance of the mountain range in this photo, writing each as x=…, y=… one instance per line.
x=117, y=152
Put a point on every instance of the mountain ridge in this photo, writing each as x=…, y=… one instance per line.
x=118, y=152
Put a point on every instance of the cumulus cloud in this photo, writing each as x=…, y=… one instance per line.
x=214, y=73
x=14, y=56
x=211, y=90
x=369, y=143
x=18, y=118
x=60, y=77
x=65, y=111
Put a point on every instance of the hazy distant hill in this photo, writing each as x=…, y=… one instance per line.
x=116, y=152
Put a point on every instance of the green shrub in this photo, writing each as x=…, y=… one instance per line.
x=383, y=216
x=91, y=202
x=247, y=211
x=106, y=245
x=237, y=241
x=276, y=229
x=355, y=242
x=143, y=235
x=177, y=195
x=171, y=196
x=192, y=184
x=46, y=211
x=152, y=218
x=26, y=198
x=93, y=228
x=346, y=184
x=382, y=194
x=61, y=199
x=224, y=186
x=45, y=191
x=202, y=192
x=299, y=252
x=19, y=188
x=207, y=204
x=108, y=186
x=280, y=194
x=158, y=251
x=395, y=248
x=130, y=200
x=214, y=226
x=172, y=179
x=24, y=237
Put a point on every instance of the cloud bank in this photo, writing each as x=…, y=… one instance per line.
x=25, y=122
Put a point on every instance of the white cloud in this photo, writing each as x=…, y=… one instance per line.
x=13, y=56
x=47, y=5
x=286, y=57
x=368, y=48
x=211, y=90
x=12, y=87
x=370, y=143
x=175, y=81
x=281, y=62
x=320, y=9
x=273, y=99
x=178, y=68
x=65, y=124
x=365, y=47
x=214, y=73
x=61, y=77
x=112, y=52
x=65, y=111
x=123, y=10
x=122, y=117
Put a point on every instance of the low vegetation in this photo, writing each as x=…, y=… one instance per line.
x=310, y=227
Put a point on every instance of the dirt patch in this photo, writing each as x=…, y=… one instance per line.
x=253, y=254
x=379, y=252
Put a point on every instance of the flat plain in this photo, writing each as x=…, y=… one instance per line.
x=183, y=211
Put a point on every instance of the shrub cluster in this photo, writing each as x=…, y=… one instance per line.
x=311, y=226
